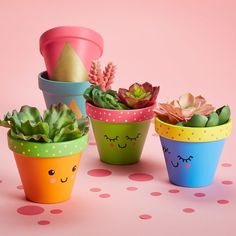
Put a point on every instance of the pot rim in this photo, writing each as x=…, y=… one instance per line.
x=120, y=116
x=47, y=150
x=61, y=32
x=192, y=134
x=59, y=87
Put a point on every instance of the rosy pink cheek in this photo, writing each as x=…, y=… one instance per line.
x=53, y=181
x=111, y=145
x=187, y=165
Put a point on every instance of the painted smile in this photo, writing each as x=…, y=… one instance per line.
x=63, y=181
x=122, y=146
x=175, y=165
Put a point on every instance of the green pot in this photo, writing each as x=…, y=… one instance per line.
x=120, y=134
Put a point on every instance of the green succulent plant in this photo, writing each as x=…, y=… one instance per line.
x=108, y=99
x=218, y=117
x=59, y=123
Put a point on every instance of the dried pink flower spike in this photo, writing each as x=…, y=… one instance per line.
x=108, y=76
x=184, y=108
x=102, y=79
x=95, y=73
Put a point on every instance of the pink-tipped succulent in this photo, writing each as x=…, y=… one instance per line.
x=139, y=95
x=102, y=79
x=184, y=108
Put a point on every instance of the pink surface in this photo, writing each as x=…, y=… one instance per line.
x=181, y=46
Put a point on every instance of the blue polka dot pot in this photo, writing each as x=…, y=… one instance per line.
x=192, y=154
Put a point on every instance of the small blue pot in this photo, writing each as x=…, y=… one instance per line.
x=192, y=154
x=70, y=93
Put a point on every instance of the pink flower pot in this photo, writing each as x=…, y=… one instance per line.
x=68, y=52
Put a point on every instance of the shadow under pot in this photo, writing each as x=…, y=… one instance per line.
x=120, y=134
x=47, y=170
x=69, y=93
x=191, y=153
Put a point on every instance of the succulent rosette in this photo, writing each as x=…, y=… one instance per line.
x=192, y=111
x=58, y=124
x=108, y=99
x=139, y=95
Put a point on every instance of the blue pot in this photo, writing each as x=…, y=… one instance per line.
x=192, y=154
x=70, y=93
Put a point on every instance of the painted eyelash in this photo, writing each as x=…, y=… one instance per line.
x=166, y=149
x=133, y=139
x=185, y=160
x=111, y=139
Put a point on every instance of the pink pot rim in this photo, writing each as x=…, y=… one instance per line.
x=73, y=32
x=120, y=116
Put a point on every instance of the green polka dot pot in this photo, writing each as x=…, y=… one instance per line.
x=120, y=134
x=47, y=170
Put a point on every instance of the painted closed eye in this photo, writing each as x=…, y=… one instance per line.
x=185, y=159
x=133, y=138
x=111, y=139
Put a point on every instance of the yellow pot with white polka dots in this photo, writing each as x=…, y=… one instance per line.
x=192, y=153
x=47, y=170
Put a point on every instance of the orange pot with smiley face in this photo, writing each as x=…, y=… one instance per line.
x=47, y=170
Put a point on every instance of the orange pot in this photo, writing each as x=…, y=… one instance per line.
x=47, y=170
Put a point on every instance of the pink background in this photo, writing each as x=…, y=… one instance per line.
x=181, y=46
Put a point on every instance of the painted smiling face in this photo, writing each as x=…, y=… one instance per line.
x=120, y=143
x=179, y=160
x=48, y=180
x=54, y=177
x=191, y=164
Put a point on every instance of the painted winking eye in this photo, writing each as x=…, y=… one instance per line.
x=111, y=139
x=185, y=159
x=133, y=138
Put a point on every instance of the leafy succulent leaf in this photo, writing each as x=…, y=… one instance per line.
x=108, y=99
x=59, y=123
x=224, y=114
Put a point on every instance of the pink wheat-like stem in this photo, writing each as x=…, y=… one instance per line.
x=108, y=76
x=95, y=73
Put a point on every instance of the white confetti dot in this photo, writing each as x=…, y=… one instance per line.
x=106, y=120
x=53, y=154
x=119, y=116
x=59, y=151
x=29, y=150
x=21, y=144
x=23, y=153
x=53, y=147
x=15, y=147
x=113, y=120
x=126, y=121
x=121, y=112
x=37, y=154
x=109, y=114
x=46, y=150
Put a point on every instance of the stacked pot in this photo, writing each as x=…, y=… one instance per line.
x=68, y=53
